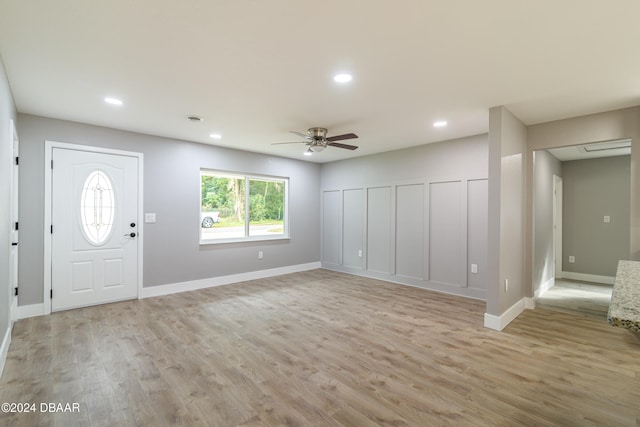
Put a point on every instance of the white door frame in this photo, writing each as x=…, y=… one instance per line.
x=557, y=226
x=13, y=216
x=48, y=153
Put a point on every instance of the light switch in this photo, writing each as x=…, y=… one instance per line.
x=150, y=218
x=607, y=218
x=474, y=268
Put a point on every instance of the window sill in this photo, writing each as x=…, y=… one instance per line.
x=244, y=240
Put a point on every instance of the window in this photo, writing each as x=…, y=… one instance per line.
x=242, y=207
x=97, y=208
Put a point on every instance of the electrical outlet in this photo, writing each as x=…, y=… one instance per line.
x=260, y=255
x=474, y=268
x=360, y=253
x=572, y=258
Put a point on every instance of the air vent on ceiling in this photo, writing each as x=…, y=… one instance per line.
x=195, y=119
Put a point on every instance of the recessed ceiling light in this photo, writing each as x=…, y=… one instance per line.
x=342, y=78
x=440, y=124
x=215, y=136
x=112, y=101
x=194, y=118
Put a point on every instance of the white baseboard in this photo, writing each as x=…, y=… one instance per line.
x=498, y=323
x=492, y=322
x=172, y=288
x=607, y=280
x=544, y=287
x=429, y=285
x=14, y=310
x=4, y=349
x=33, y=310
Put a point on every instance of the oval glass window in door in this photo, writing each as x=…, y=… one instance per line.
x=97, y=207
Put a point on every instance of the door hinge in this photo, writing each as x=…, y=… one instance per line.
x=51, y=228
x=17, y=161
x=16, y=226
x=51, y=294
x=15, y=291
x=51, y=164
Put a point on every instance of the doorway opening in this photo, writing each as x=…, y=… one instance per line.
x=581, y=224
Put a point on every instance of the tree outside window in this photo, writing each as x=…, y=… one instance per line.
x=226, y=198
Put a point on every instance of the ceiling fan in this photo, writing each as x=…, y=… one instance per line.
x=317, y=140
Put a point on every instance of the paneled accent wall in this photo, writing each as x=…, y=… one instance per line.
x=332, y=225
x=410, y=232
x=353, y=228
x=423, y=233
x=379, y=230
x=446, y=232
x=477, y=219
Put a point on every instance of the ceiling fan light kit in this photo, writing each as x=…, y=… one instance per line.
x=317, y=140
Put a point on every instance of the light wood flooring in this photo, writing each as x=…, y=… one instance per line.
x=320, y=348
x=572, y=296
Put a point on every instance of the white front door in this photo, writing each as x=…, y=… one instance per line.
x=94, y=228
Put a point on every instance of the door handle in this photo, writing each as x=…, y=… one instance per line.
x=130, y=235
x=14, y=243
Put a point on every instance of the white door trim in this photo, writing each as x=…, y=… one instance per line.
x=14, y=216
x=557, y=226
x=48, y=153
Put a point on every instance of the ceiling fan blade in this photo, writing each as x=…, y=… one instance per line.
x=292, y=142
x=341, y=137
x=339, y=145
x=304, y=135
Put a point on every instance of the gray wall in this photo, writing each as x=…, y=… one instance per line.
x=171, y=190
x=416, y=216
x=545, y=165
x=507, y=210
x=594, y=188
x=7, y=113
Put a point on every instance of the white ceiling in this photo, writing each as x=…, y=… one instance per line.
x=257, y=69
